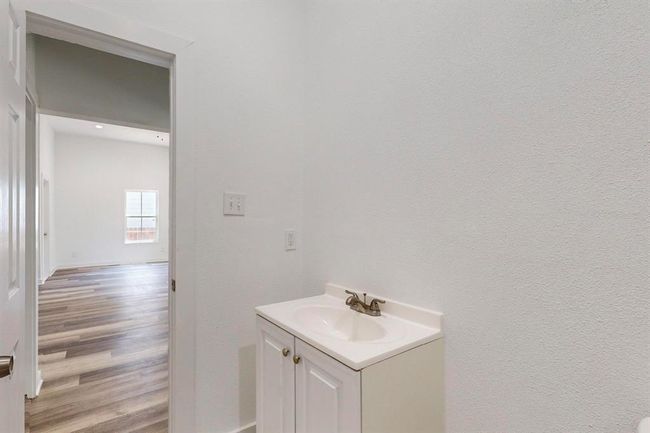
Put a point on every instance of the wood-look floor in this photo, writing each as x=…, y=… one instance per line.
x=103, y=335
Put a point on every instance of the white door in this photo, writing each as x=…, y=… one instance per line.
x=328, y=394
x=275, y=379
x=12, y=217
x=45, y=203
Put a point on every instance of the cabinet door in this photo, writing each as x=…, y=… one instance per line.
x=328, y=394
x=275, y=379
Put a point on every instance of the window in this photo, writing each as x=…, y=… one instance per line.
x=141, y=217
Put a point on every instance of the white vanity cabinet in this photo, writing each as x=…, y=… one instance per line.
x=303, y=390
x=328, y=394
x=275, y=379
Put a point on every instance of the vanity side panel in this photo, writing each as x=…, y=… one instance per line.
x=405, y=393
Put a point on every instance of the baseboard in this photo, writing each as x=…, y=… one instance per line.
x=248, y=428
x=38, y=380
x=94, y=264
x=50, y=273
x=39, y=383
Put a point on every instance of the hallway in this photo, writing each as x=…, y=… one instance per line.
x=103, y=337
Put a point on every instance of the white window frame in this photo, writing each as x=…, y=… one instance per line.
x=126, y=217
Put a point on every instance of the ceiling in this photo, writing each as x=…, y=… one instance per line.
x=67, y=125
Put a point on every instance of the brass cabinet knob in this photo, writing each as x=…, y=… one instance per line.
x=296, y=359
x=285, y=352
x=6, y=366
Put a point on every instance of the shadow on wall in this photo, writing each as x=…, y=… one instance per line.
x=247, y=388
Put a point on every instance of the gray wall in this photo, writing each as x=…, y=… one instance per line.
x=91, y=84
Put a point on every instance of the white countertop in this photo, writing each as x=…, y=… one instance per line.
x=363, y=340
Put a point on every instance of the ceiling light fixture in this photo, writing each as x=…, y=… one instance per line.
x=99, y=126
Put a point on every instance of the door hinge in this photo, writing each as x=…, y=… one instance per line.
x=173, y=285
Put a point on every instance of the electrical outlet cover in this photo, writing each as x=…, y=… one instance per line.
x=289, y=240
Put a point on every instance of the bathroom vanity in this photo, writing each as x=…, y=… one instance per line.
x=324, y=368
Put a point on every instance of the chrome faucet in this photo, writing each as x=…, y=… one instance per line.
x=355, y=303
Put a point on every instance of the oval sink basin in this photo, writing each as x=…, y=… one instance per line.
x=352, y=338
x=341, y=323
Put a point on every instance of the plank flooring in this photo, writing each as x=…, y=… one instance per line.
x=103, y=338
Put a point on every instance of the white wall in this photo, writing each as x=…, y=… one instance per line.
x=489, y=159
x=514, y=132
x=248, y=135
x=240, y=128
x=46, y=163
x=92, y=175
x=90, y=84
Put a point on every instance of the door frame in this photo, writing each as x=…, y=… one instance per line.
x=76, y=23
x=45, y=215
x=33, y=243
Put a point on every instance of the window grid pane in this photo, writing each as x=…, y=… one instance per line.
x=133, y=203
x=148, y=201
x=149, y=229
x=133, y=229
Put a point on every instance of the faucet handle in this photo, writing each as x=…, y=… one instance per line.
x=353, y=297
x=374, y=304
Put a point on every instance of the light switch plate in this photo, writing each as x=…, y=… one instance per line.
x=234, y=204
x=289, y=240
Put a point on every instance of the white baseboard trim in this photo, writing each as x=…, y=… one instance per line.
x=39, y=383
x=50, y=273
x=127, y=262
x=248, y=428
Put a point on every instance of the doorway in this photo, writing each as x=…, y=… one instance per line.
x=103, y=329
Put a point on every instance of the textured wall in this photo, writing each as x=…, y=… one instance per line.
x=489, y=159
